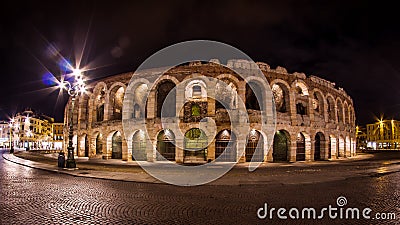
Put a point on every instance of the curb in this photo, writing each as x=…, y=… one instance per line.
x=66, y=171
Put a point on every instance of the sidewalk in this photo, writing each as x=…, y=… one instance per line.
x=267, y=173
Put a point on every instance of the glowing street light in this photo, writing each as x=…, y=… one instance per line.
x=73, y=89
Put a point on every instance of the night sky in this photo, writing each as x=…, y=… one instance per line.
x=355, y=44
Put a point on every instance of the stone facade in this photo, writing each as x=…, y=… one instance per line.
x=314, y=119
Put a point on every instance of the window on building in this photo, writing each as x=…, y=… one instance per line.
x=195, y=110
x=196, y=91
x=301, y=109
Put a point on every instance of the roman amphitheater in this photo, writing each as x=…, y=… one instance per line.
x=314, y=119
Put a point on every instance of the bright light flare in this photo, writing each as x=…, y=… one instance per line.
x=76, y=71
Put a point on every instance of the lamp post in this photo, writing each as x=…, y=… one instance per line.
x=73, y=89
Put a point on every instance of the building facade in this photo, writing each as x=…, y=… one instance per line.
x=315, y=120
x=4, y=135
x=34, y=131
x=361, y=136
x=58, y=135
x=384, y=134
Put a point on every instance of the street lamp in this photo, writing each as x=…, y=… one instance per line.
x=73, y=89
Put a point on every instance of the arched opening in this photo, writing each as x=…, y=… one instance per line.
x=99, y=145
x=86, y=144
x=116, y=98
x=331, y=109
x=340, y=112
x=84, y=111
x=330, y=148
x=163, y=90
x=254, y=96
x=116, y=146
x=347, y=150
x=166, y=145
x=346, y=118
x=226, y=94
x=196, y=90
x=341, y=147
x=195, y=145
x=318, y=104
x=319, y=146
x=225, y=146
x=281, y=146
x=138, y=98
x=255, y=147
x=99, y=96
x=300, y=147
x=301, y=109
x=100, y=113
x=281, y=97
x=136, y=112
x=139, y=146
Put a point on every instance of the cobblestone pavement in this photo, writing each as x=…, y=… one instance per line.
x=30, y=196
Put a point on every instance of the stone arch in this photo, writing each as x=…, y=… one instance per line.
x=300, y=87
x=165, y=87
x=346, y=117
x=300, y=147
x=98, y=143
x=332, y=146
x=347, y=151
x=341, y=149
x=84, y=145
x=139, y=146
x=339, y=107
x=114, y=144
x=135, y=99
x=226, y=146
x=281, y=92
x=254, y=95
x=226, y=93
x=255, y=146
x=115, y=100
x=83, y=111
x=75, y=144
x=98, y=101
x=195, y=146
x=281, y=146
x=230, y=77
x=351, y=115
x=331, y=108
x=318, y=102
x=301, y=94
x=319, y=146
x=166, y=147
x=196, y=89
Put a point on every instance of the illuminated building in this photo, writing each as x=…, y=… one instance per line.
x=58, y=135
x=384, y=134
x=33, y=131
x=4, y=134
x=361, y=134
x=315, y=119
